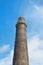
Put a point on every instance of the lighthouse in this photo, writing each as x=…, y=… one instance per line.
x=20, y=51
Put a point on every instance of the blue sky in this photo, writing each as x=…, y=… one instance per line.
x=32, y=11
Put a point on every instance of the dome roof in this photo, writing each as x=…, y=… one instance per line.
x=21, y=20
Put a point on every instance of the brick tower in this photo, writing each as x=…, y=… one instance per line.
x=20, y=51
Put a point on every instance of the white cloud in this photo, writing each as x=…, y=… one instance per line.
x=4, y=48
x=31, y=11
x=35, y=45
x=7, y=60
x=38, y=12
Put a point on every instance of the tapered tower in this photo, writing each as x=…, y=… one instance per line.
x=20, y=50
